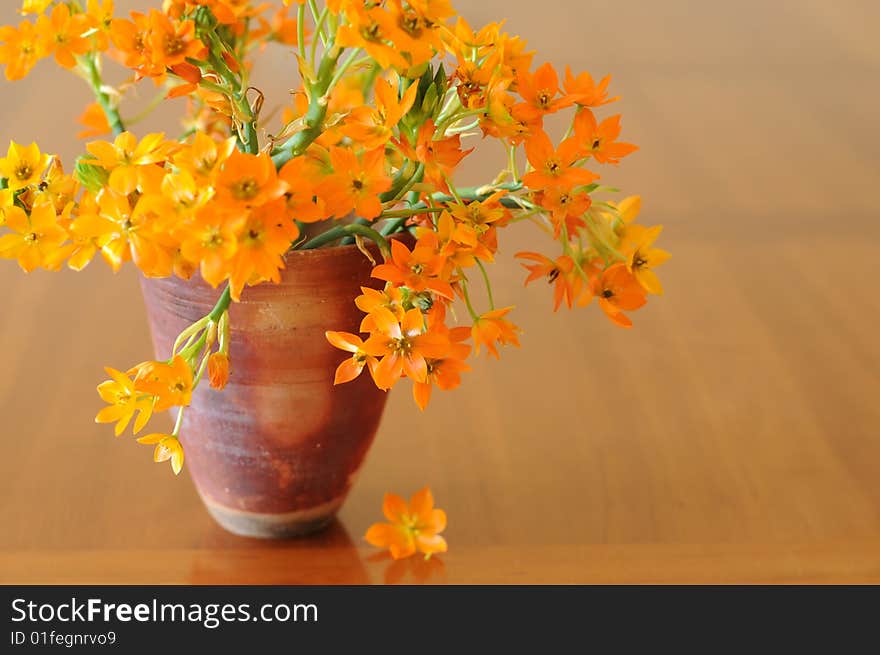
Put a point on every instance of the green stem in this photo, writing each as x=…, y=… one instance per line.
x=222, y=305
x=178, y=423
x=345, y=230
x=113, y=117
x=467, y=298
x=488, y=284
x=301, y=31
x=314, y=117
x=410, y=183
x=347, y=241
x=237, y=93
x=343, y=69
x=394, y=226
x=319, y=26
x=441, y=128
x=511, y=162
x=407, y=213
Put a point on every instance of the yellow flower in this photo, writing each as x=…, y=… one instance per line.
x=125, y=401
x=167, y=447
x=125, y=157
x=629, y=208
x=33, y=238
x=20, y=49
x=34, y=6
x=642, y=258
x=7, y=201
x=23, y=166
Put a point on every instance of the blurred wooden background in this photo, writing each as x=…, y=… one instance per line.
x=731, y=436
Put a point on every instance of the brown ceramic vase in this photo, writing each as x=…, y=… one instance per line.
x=276, y=452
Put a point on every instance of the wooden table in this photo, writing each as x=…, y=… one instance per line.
x=732, y=436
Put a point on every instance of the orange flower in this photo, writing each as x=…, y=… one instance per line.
x=554, y=168
x=20, y=49
x=418, y=270
x=218, y=370
x=585, y=92
x=125, y=232
x=132, y=40
x=440, y=156
x=264, y=238
x=390, y=299
x=302, y=203
x=411, y=528
x=492, y=328
x=204, y=156
x=63, y=35
x=475, y=222
x=566, y=208
x=374, y=128
x=355, y=184
x=171, y=384
x=172, y=43
x=248, y=181
x=562, y=273
x=100, y=13
x=600, y=139
x=354, y=365
x=445, y=372
x=618, y=290
x=404, y=347
x=540, y=90
x=418, y=32
x=372, y=29
x=211, y=240
x=465, y=42
x=95, y=121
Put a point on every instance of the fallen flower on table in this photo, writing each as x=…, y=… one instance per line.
x=413, y=527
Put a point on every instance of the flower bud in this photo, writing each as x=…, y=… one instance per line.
x=218, y=370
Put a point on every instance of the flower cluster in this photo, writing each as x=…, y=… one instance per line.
x=391, y=93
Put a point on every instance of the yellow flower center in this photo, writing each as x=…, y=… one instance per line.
x=411, y=24
x=24, y=172
x=213, y=240
x=402, y=346
x=245, y=189
x=173, y=44
x=544, y=98
x=371, y=32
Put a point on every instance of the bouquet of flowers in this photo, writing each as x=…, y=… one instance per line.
x=392, y=93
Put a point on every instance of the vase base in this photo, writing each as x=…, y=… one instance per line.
x=275, y=526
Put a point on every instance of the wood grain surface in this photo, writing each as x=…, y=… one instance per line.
x=732, y=436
